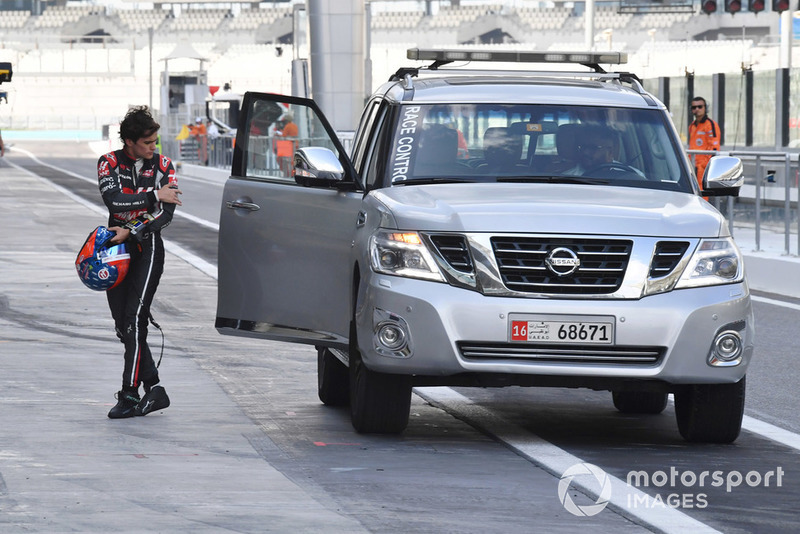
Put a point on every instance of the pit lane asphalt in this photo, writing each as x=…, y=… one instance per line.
x=200, y=466
x=66, y=467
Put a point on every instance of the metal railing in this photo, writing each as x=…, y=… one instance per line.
x=770, y=178
x=218, y=149
x=771, y=182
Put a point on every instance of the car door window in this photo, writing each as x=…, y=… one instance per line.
x=276, y=130
x=374, y=164
x=366, y=124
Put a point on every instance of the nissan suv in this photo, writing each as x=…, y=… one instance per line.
x=490, y=228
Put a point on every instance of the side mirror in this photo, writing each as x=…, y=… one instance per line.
x=724, y=176
x=317, y=167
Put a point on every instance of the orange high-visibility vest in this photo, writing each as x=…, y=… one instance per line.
x=284, y=148
x=703, y=135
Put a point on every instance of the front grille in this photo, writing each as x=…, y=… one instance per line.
x=522, y=264
x=666, y=257
x=453, y=248
x=581, y=354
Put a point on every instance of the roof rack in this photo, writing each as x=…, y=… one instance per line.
x=591, y=60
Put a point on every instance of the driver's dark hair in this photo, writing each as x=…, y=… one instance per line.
x=700, y=99
x=138, y=123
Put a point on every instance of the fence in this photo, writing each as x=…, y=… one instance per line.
x=769, y=197
x=219, y=151
x=765, y=199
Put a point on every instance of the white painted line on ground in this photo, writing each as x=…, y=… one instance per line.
x=775, y=302
x=765, y=430
x=208, y=180
x=195, y=261
x=756, y=426
x=625, y=500
x=770, y=431
x=178, y=213
x=94, y=207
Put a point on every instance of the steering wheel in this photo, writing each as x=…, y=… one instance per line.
x=607, y=170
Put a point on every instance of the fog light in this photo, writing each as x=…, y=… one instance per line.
x=391, y=336
x=727, y=349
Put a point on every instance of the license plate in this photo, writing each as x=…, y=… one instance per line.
x=563, y=329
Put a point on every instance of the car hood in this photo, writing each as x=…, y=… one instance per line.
x=550, y=208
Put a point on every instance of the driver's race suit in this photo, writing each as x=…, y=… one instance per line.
x=128, y=188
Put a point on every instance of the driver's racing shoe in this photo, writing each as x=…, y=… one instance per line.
x=126, y=405
x=155, y=399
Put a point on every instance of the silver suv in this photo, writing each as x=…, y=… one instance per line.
x=490, y=228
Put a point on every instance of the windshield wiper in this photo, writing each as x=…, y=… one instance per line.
x=553, y=180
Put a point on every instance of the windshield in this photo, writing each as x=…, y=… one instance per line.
x=534, y=143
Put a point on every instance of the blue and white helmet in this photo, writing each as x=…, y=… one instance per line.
x=100, y=264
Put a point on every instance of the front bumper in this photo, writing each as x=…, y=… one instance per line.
x=680, y=326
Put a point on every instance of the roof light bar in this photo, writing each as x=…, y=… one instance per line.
x=583, y=58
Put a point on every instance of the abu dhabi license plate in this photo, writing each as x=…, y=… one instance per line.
x=566, y=329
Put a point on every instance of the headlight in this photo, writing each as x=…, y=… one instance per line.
x=402, y=254
x=716, y=261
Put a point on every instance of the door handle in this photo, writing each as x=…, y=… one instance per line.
x=361, y=220
x=237, y=204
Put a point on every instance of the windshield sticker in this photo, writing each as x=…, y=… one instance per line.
x=406, y=140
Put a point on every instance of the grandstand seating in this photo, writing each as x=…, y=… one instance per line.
x=661, y=20
x=251, y=19
x=142, y=19
x=198, y=20
x=454, y=16
x=94, y=74
x=390, y=20
x=607, y=17
x=540, y=18
x=58, y=16
x=544, y=25
x=14, y=19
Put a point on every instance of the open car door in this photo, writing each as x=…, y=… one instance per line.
x=284, y=248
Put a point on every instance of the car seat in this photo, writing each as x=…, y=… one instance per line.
x=438, y=148
x=501, y=150
x=567, y=140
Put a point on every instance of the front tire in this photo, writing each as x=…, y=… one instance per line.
x=333, y=379
x=710, y=413
x=640, y=402
x=379, y=403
